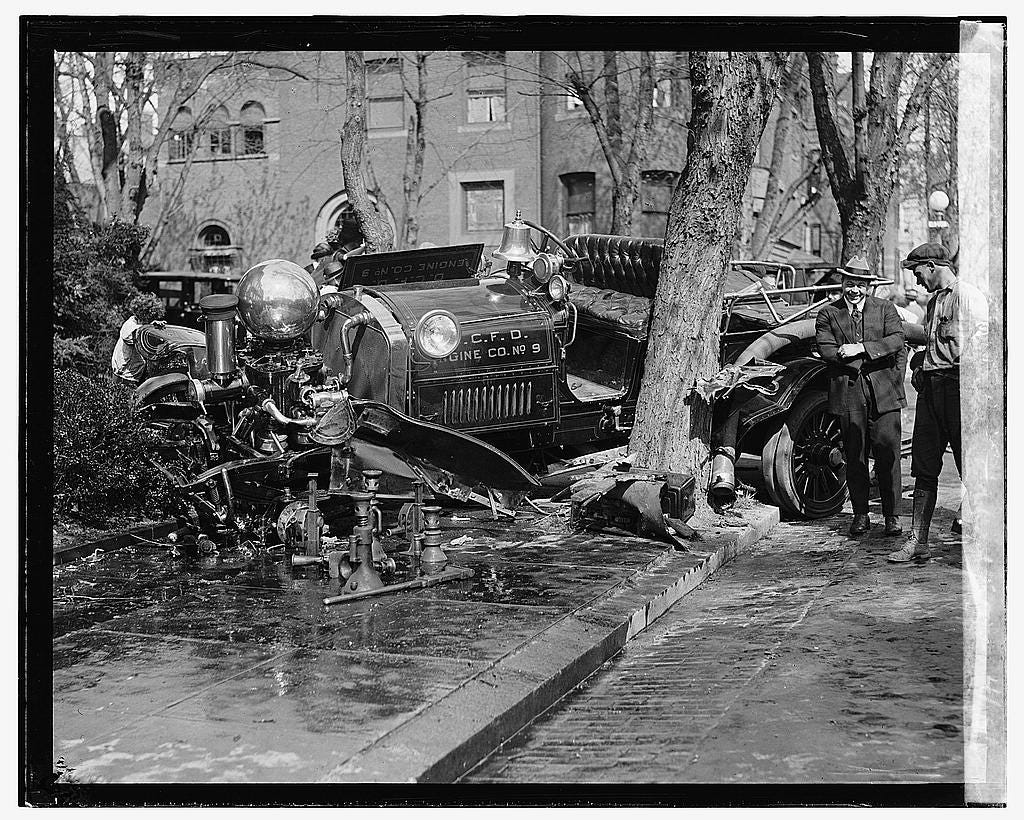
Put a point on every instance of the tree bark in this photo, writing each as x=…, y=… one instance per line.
x=134, y=184
x=625, y=163
x=732, y=95
x=863, y=188
x=775, y=200
x=375, y=230
x=415, y=149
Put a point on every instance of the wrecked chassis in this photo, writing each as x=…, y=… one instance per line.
x=263, y=443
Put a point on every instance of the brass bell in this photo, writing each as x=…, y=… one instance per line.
x=515, y=242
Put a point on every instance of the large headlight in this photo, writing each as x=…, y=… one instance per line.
x=438, y=334
x=546, y=265
x=558, y=287
x=277, y=300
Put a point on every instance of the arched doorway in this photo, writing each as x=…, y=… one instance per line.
x=336, y=208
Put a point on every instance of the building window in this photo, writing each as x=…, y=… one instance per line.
x=252, y=118
x=656, y=200
x=484, y=58
x=386, y=112
x=663, y=93
x=484, y=205
x=183, y=135
x=382, y=65
x=486, y=106
x=485, y=86
x=579, y=202
x=220, y=133
x=213, y=251
x=815, y=240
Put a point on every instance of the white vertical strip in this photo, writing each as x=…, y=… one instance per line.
x=981, y=265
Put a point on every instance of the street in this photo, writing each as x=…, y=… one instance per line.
x=808, y=659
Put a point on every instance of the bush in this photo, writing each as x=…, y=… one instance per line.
x=94, y=283
x=98, y=452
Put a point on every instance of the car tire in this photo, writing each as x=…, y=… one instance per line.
x=805, y=460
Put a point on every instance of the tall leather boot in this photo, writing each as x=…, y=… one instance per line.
x=916, y=546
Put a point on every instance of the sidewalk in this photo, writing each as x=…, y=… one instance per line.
x=167, y=671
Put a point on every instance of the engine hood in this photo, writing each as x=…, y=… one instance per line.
x=501, y=324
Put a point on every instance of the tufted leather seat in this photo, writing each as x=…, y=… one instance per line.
x=617, y=280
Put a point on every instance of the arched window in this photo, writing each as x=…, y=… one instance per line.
x=183, y=134
x=334, y=211
x=220, y=133
x=252, y=118
x=213, y=252
x=213, y=236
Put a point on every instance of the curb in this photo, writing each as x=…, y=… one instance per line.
x=110, y=543
x=451, y=736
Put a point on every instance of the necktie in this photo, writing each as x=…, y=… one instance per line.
x=858, y=333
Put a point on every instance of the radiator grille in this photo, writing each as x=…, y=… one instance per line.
x=487, y=404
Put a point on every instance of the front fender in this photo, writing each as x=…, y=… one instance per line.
x=157, y=387
x=757, y=407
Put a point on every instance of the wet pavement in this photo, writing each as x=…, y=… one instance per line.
x=809, y=659
x=230, y=668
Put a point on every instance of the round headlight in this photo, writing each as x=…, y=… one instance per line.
x=277, y=300
x=558, y=287
x=438, y=334
x=545, y=266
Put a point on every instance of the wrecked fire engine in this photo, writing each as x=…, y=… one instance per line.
x=403, y=379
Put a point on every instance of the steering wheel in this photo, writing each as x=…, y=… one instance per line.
x=547, y=236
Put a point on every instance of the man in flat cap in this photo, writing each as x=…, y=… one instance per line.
x=861, y=336
x=956, y=316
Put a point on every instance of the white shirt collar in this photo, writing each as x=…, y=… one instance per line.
x=859, y=306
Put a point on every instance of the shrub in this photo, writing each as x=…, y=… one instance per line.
x=98, y=451
x=94, y=283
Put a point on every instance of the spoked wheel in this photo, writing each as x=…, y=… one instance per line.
x=803, y=463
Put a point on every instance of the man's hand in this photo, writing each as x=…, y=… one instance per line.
x=850, y=351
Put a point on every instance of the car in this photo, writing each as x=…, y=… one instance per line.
x=483, y=384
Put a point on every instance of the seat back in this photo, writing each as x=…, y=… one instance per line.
x=622, y=263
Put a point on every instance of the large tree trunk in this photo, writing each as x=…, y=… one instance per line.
x=732, y=96
x=863, y=187
x=353, y=137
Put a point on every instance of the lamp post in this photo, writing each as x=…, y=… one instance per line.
x=938, y=201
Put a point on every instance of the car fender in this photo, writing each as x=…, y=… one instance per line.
x=756, y=408
x=158, y=386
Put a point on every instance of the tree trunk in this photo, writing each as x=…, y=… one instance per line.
x=774, y=201
x=415, y=149
x=353, y=136
x=134, y=190
x=863, y=188
x=107, y=142
x=732, y=95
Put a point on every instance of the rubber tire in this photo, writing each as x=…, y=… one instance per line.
x=809, y=405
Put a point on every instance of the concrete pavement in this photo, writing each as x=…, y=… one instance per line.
x=232, y=670
x=810, y=659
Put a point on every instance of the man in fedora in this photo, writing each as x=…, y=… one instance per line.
x=956, y=322
x=861, y=336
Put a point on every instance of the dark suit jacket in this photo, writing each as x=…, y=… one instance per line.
x=886, y=354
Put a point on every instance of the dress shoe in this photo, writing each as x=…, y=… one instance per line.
x=912, y=550
x=861, y=524
x=893, y=526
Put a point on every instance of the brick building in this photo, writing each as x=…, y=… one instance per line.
x=264, y=176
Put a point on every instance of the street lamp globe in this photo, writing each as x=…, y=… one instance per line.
x=938, y=201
